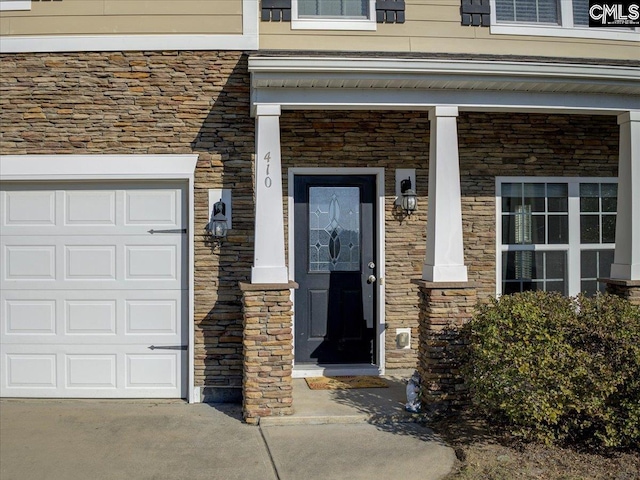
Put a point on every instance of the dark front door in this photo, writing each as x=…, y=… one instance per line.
x=334, y=233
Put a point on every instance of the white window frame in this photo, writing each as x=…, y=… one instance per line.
x=333, y=23
x=564, y=29
x=573, y=248
x=10, y=5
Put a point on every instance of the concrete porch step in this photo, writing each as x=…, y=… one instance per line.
x=350, y=406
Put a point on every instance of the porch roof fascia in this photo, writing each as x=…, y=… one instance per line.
x=365, y=83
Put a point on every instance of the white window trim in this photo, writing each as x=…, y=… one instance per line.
x=119, y=167
x=565, y=29
x=573, y=248
x=325, y=23
x=9, y=5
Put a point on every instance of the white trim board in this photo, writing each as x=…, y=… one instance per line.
x=12, y=5
x=248, y=40
x=361, y=83
x=118, y=167
x=380, y=254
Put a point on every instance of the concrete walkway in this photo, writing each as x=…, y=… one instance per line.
x=139, y=440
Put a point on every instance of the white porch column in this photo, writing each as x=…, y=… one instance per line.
x=268, y=257
x=444, y=261
x=626, y=265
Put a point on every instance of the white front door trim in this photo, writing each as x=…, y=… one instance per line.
x=379, y=368
x=118, y=167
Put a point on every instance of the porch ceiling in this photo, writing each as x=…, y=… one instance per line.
x=390, y=83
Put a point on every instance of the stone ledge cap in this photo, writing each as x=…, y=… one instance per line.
x=255, y=287
x=444, y=285
x=621, y=282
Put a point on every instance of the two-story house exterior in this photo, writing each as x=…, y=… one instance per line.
x=516, y=125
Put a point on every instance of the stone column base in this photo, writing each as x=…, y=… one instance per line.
x=267, y=386
x=628, y=289
x=444, y=309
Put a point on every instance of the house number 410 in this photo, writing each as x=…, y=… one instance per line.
x=267, y=179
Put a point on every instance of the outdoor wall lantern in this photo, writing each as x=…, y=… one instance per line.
x=409, y=201
x=220, y=214
x=218, y=225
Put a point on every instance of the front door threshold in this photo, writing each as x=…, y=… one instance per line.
x=335, y=370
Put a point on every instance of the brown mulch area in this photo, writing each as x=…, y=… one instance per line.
x=486, y=454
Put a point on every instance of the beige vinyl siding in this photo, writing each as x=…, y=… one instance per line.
x=86, y=17
x=433, y=26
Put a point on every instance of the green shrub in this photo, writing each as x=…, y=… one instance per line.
x=557, y=369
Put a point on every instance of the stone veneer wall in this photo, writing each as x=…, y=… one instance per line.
x=198, y=102
x=490, y=144
x=445, y=309
x=629, y=289
x=522, y=145
x=267, y=387
x=154, y=103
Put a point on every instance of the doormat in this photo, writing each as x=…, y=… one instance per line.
x=345, y=382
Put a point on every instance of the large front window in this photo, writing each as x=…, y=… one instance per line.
x=555, y=234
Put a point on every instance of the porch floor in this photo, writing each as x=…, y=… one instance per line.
x=358, y=405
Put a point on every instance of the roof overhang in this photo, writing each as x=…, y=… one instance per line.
x=366, y=83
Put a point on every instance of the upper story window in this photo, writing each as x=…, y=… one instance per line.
x=8, y=5
x=553, y=18
x=528, y=11
x=333, y=14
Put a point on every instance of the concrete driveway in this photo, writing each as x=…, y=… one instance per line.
x=100, y=439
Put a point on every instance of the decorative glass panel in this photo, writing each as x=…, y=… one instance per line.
x=334, y=229
x=333, y=8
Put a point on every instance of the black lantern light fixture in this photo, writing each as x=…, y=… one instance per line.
x=409, y=200
x=218, y=225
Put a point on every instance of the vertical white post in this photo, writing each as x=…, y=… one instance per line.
x=268, y=257
x=626, y=265
x=444, y=261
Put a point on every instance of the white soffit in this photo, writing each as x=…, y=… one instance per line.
x=386, y=82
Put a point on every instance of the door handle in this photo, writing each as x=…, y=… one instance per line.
x=371, y=279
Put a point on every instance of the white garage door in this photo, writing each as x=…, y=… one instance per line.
x=93, y=290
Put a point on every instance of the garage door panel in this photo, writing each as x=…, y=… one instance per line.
x=94, y=296
x=28, y=209
x=29, y=317
x=34, y=262
x=65, y=209
x=94, y=317
x=144, y=371
x=90, y=317
x=150, y=261
x=77, y=371
x=152, y=207
x=90, y=262
x=90, y=208
x=91, y=371
x=29, y=371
